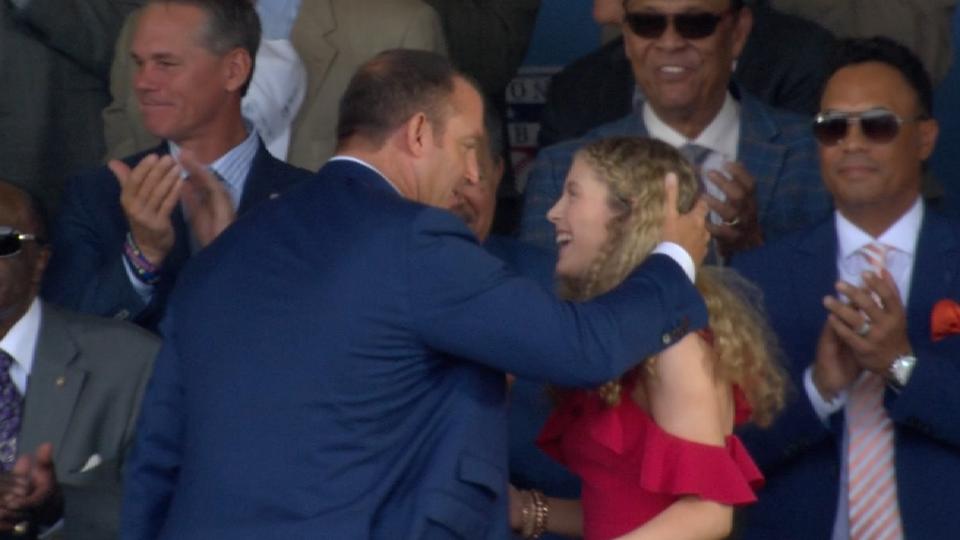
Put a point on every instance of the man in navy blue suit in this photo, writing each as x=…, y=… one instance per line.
x=125, y=231
x=333, y=364
x=869, y=446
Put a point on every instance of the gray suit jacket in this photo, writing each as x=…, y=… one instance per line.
x=332, y=37
x=54, y=61
x=83, y=396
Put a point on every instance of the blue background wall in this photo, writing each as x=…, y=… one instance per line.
x=946, y=104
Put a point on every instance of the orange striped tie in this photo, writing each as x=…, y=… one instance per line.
x=872, y=488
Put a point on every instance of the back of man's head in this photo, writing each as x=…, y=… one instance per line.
x=231, y=24
x=392, y=87
x=887, y=51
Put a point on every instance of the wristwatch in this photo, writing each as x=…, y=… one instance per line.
x=901, y=368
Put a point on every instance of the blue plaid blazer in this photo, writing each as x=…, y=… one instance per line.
x=775, y=146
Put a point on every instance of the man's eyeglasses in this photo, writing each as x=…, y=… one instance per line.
x=11, y=241
x=877, y=125
x=688, y=25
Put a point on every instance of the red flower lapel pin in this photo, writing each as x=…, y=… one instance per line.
x=944, y=319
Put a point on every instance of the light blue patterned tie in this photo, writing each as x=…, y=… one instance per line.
x=697, y=155
x=11, y=404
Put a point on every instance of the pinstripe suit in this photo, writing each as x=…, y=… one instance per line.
x=775, y=146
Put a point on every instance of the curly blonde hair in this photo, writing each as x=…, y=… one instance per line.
x=633, y=169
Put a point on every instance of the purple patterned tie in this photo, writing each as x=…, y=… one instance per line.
x=11, y=402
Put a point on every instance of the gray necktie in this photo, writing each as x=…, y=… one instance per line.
x=697, y=155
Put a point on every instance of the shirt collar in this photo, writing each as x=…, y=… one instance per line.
x=234, y=166
x=21, y=340
x=902, y=235
x=721, y=135
x=341, y=157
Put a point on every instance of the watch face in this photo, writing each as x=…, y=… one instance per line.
x=901, y=368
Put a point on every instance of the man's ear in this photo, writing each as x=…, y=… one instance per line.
x=418, y=134
x=239, y=67
x=741, y=30
x=40, y=259
x=929, y=130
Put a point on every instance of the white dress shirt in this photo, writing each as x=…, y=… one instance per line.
x=21, y=344
x=721, y=135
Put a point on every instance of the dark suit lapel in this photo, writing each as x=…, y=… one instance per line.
x=53, y=387
x=757, y=151
x=935, y=268
x=814, y=273
x=267, y=179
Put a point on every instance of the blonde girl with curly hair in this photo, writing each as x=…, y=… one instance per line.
x=655, y=449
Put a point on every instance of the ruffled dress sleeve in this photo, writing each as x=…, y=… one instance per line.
x=592, y=439
x=674, y=466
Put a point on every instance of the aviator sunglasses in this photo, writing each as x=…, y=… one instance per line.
x=877, y=125
x=11, y=241
x=687, y=25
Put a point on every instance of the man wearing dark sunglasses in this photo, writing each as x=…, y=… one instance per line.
x=870, y=448
x=758, y=164
x=70, y=388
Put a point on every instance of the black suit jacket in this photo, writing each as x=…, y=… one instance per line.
x=86, y=271
x=783, y=63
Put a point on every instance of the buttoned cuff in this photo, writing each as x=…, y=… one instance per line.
x=821, y=406
x=680, y=255
x=50, y=533
x=143, y=290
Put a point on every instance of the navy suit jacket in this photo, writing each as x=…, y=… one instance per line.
x=775, y=146
x=86, y=271
x=311, y=382
x=530, y=403
x=799, y=455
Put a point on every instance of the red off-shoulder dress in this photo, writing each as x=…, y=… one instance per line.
x=631, y=469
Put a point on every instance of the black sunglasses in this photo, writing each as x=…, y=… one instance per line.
x=688, y=25
x=11, y=241
x=877, y=125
